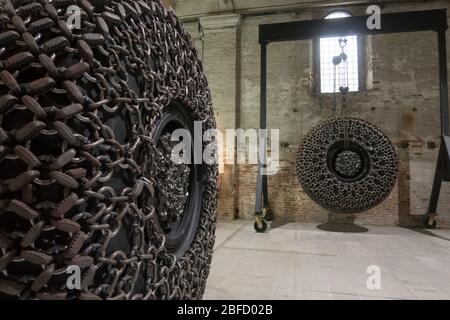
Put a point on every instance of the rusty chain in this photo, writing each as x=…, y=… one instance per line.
x=73, y=186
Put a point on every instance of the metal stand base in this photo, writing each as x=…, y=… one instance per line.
x=262, y=211
x=442, y=175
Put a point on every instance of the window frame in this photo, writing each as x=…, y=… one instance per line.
x=362, y=59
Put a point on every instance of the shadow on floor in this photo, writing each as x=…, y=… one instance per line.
x=334, y=224
x=341, y=223
x=278, y=223
x=428, y=232
x=342, y=227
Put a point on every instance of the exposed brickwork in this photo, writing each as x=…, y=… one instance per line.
x=402, y=99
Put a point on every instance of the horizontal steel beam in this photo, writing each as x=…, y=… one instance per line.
x=431, y=20
x=191, y=10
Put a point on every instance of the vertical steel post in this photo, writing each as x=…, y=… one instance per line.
x=261, y=183
x=443, y=87
x=443, y=81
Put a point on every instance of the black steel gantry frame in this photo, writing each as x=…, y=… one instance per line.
x=416, y=21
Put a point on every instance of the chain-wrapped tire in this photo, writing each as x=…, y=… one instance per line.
x=85, y=185
x=347, y=165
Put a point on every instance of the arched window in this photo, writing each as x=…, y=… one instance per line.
x=329, y=47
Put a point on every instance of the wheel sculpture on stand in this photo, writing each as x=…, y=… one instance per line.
x=347, y=165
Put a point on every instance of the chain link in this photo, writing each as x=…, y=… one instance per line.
x=78, y=112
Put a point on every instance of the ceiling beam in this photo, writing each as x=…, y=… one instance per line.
x=193, y=9
x=430, y=20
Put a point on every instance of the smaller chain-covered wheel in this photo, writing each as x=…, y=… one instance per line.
x=347, y=165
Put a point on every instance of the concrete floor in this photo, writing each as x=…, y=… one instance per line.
x=299, y=261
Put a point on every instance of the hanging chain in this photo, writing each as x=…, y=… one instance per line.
x=338, y=62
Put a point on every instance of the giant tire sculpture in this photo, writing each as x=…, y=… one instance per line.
x=347, y=165
x=85, y=180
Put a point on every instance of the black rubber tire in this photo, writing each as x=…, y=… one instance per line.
x=262, y=228
x=269, y=215
x=426, y=223
x=366, y=187
x=432, y=226
x=69, y=194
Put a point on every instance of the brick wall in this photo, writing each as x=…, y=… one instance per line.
x=403, y=101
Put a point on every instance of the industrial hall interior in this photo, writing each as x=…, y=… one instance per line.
x=284, y=66
x=224, y=150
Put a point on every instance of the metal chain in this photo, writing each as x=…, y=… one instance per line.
x=342, y=58
x=172, y=197
x=72, y=186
